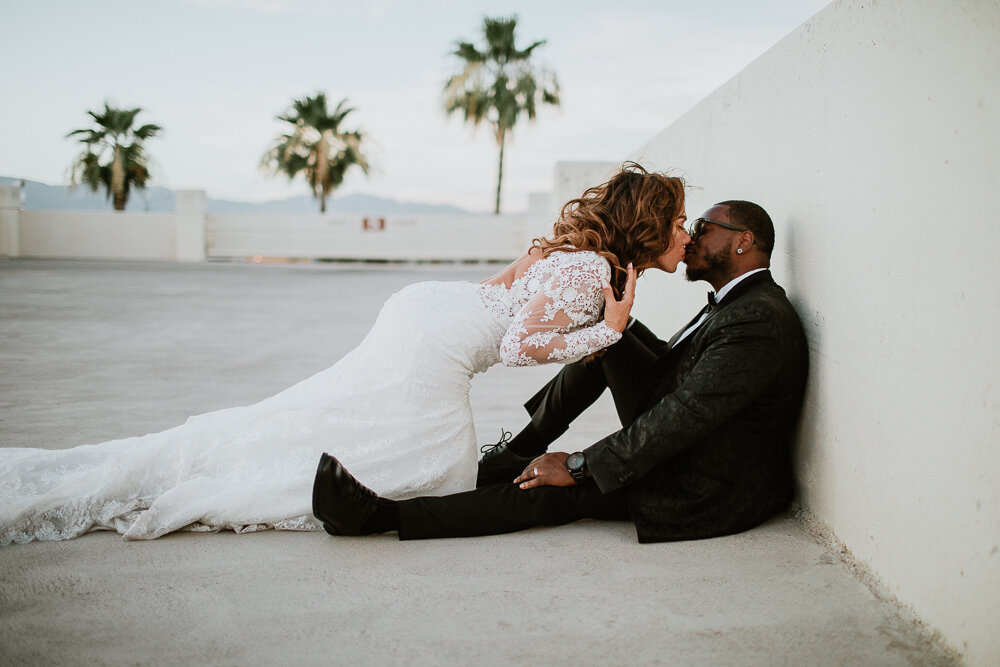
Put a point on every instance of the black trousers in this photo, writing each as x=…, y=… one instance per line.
x=506, y=508
x=578, y=385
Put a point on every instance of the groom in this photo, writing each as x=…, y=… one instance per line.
x=708, y=421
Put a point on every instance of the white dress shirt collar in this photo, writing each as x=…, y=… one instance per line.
x=721, y=294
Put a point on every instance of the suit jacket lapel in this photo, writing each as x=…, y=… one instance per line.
x=744, y=286
x=654, y=376
x=741, y=288
x=673, y=339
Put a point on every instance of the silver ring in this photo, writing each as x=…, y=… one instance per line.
x=535, y=470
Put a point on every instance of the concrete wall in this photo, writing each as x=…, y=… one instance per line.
x=10, y=212
x=871, y=136
x=97, y=235
x=346, y=237
x=189, y=234
x=176, y=236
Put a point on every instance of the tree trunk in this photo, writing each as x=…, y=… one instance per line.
x=118, y=180
x=501, y=139
x=322, y=169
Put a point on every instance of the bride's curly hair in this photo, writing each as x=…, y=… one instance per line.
x=627, y=219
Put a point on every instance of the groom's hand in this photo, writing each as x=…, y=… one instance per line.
x=547, y=470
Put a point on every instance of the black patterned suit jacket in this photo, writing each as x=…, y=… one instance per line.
x=709, y=452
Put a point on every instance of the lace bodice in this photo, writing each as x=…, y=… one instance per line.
x=553, y=312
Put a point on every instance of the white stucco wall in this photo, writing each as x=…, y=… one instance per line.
x=415, y=237
x=10, y=211
x=97, y=235
x=178, y=236
x=871, y=135
x=190, y=234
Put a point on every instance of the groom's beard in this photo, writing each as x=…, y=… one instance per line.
x=719, y=264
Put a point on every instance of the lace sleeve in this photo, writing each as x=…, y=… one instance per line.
x=562, y=322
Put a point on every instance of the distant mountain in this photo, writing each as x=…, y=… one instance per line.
x=41, y=196
x=156, y=199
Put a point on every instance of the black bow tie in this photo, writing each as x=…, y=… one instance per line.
x=712, y=303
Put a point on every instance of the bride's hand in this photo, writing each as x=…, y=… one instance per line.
x=616, y=313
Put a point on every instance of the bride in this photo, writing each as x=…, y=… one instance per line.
x=395, y=410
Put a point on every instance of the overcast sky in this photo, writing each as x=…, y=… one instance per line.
x=215, y=73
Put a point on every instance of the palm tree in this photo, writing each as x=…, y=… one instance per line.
x=316, y=145
x=499, y=84
x=115, y=156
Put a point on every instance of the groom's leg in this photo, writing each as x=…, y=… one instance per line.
x=560, y=401
x=578, y=385
x=568, y=394
x=505, y=508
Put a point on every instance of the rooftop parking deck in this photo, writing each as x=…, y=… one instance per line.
x=98, y=350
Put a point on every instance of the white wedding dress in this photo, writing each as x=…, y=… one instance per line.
x=395, y=411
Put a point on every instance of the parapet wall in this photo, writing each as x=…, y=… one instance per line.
x=870, y=134
x=189, y=234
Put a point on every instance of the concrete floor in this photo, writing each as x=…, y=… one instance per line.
x=98, y=350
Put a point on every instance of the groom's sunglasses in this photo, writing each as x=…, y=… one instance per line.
x=698, y=227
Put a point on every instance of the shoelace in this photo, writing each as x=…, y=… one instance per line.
x=505, y=437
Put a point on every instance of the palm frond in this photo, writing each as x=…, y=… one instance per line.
x=316, y=146
x=469, y=53
x=113, y=132
x=147, y=131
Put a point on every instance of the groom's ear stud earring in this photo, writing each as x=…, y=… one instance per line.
x=739, y=251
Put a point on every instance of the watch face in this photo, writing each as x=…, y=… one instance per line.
x=575, y=461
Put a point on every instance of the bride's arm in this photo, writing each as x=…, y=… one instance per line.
x=562, y=322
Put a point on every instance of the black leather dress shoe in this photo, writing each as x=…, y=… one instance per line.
x=499, y=465
x=341, y=502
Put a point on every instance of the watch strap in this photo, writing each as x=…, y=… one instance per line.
x=578, y=472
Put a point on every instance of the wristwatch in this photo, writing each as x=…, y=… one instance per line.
x=577, y=464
